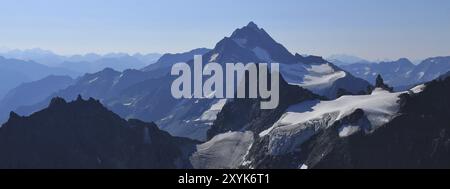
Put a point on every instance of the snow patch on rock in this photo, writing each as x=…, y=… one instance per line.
x=347, y=130
x=211, y=114
x=421, y=74
x=93, y=80
x=418, y=88
x=321, y=81
x=214, y=57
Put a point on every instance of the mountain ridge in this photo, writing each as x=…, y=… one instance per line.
x=402, y=72
x=84, y=134
x=148, y=96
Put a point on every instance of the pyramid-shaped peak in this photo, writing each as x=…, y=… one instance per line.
x=251, y=24
x=250, y=30
x=258, y=44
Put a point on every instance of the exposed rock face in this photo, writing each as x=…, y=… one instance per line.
x=379, y=83
x=418, y=138
x=145, y=94
x=246, y=114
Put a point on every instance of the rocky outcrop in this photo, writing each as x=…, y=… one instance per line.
x=84, y=134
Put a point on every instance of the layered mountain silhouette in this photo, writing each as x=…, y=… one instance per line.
x=167, y=60
x=31, y=93
x=145, y=94
x=309, y=133
x=120, y=63
x=14, y=72
x=90, y=62
x=326, y=118
x=105, y=84
x=401, y=74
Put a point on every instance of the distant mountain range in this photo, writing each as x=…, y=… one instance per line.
x=32, y=67
x=119, y=63
x=13, y=72
x=87, y=63
x=345, y=59
x=32, y=92
x=49, y=58
x=401, y=73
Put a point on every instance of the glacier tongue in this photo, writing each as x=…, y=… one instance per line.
x=301, y=121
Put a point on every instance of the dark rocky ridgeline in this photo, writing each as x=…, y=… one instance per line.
x=84, y=134
x=246, y=115
x=418, y=138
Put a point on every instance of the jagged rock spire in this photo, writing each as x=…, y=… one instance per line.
x=13, y=115
x=379, y=83
x=79, y=98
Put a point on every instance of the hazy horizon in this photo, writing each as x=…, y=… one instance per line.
x=373, y=30
x=344, y=55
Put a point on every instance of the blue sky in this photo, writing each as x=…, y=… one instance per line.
x=373, y=29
